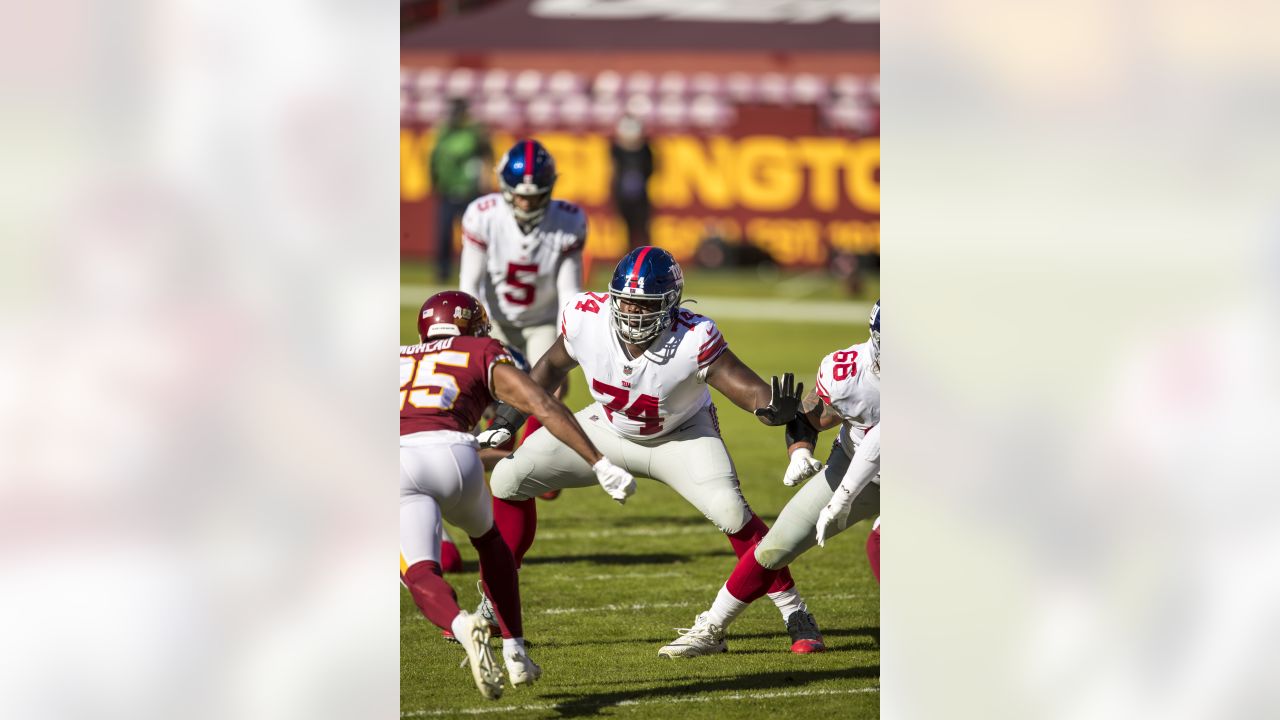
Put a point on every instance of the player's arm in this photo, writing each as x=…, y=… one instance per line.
x=569, y=278
x=774, y=405
x=518, y=390
x=802, y=435
x=862, y=471
x=554, y=366
x=550, y=371
x=471, y=269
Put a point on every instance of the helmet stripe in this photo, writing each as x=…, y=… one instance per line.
x=528, y=160
x=635, y=269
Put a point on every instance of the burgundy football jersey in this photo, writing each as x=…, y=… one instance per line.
x=444, y=383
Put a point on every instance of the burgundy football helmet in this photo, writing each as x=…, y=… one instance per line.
x=452, y=312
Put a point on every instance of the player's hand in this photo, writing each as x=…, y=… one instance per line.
x=803, y=466
x=494, y=437
x=783, y=403
x=506, y=421
x=615, y=481
x=835, y=516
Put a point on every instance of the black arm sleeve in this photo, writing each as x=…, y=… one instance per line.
x=506, y=416
x=799, y=429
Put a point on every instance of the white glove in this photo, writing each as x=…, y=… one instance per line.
x=803, y=466
x=835, y=516
x=615, y=481
x=494, y=437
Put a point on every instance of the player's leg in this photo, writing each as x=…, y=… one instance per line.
x=793, y=533
x=538, y=341
x=450, y=558
x=498, y=581
x=424, y=482
x=540, y=464
x=695, y=463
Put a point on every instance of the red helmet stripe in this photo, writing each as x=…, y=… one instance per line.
x=635, y=269
x=528, y=158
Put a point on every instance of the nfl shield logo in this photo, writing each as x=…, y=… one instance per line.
x=626, y=370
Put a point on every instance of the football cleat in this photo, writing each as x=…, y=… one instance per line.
x=486, y=611
x=448, y=636
x=520, y=667
x=704, y=638
x=803, y=630
x=484, y=667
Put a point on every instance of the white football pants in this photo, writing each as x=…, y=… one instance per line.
x=692, y=460
x=795, y=531
x=440, y=474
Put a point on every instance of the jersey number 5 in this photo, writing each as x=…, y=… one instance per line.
x=844, y=364
x=520, y=277
x=643, y=410
x=422, y=387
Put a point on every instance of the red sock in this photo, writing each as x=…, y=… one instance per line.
x=530, y=427
x=750, y=580
x=744, y=543
x=517, y=520
x=498, y=572
x=450, y=558
x=432, y=594
x=873, y=552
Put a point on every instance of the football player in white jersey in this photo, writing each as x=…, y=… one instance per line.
x=648, y=363
x=522, y=251
x=847, y=394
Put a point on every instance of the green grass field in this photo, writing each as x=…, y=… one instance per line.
x=604, y=586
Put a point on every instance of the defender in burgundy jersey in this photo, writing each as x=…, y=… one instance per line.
x=446, y=381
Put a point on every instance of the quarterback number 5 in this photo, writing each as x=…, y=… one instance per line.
x=844, y=364
x=520, y=277
x=644, y=410
x=422, y=387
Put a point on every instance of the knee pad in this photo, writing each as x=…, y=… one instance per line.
x=772, y=558
x=731, y=515
x=504, y=481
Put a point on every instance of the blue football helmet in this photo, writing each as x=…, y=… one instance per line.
x=651, y=277
x=528, y=170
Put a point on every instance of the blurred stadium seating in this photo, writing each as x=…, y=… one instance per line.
x=766, y=132
x=525, y=100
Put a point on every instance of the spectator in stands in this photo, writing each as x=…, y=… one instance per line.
x=460, y=168
x=632, y=167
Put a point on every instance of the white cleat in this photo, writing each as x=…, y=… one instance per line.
x=704, y=638
x=522, y=669
x=484, y=666
x=485, y=609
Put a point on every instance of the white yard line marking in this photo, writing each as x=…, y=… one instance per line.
x=618, y=607
x=839, y=312
x=655, y=531
x=655, y=701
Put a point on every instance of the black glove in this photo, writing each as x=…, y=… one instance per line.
x=784, y=403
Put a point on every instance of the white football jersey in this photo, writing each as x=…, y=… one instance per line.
x=652, y=395
x=847, y=383
x=520, y=270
